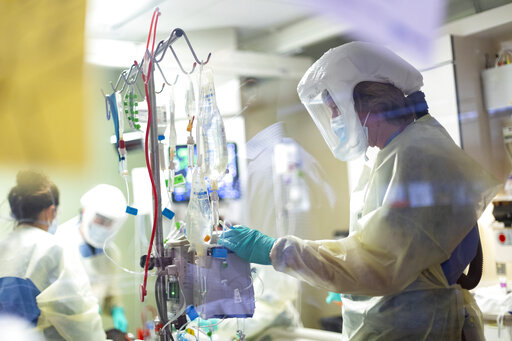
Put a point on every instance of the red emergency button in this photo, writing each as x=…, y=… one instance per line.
x=502, y=237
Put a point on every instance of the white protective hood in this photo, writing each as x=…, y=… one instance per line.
x=338, y=71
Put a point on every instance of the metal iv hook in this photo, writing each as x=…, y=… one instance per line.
x=179, y=32
x=127, y=80
x=165, y=79
x=121, y=76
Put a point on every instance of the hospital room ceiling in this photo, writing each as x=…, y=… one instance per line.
x=128, y=20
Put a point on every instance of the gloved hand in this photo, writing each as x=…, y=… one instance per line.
x=250, y=245
x=333, y=297
x=209, y=325
x=120, y=321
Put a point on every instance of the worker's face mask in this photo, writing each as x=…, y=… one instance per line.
x=365, y=128
x=98, y=229
x=52, y=228
x=98, y=234
x=52, y=225
x=340, y=128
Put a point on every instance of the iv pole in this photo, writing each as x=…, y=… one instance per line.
x=129, y=78
x=155, y=169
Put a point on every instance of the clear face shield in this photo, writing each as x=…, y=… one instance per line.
x=340, y=127
x=98, y=228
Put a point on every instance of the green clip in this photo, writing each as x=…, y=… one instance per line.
x=179, y=179
x=178, y=225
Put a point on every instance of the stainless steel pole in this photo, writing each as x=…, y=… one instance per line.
x=155, y=169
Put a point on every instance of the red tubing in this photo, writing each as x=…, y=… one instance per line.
x=146, y=152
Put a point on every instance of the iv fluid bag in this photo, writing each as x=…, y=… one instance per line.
x=198, y=218
x=190, y=100
x=162, y=118
x=291, y=194
x=215, y=152
x=172, y=126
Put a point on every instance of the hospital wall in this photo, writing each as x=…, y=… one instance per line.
x=481, y=129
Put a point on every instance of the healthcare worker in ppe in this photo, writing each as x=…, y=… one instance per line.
x=102, y=215
x=39, y=280
x=410, y=213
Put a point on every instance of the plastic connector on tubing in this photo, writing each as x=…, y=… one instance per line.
x=142, y=292
x=122, y=148
x=220, y=252
x=131, y=210
x=191, y=312
x=190, y=124
x=215, y=186
x=168, y=213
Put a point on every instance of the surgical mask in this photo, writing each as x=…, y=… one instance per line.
x=339, y=128
x=98, y=234
x=365, y=128
x=52, y=228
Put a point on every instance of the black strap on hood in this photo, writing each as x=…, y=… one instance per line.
x=417, y=104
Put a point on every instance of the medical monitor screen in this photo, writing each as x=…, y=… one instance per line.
x=229, y=186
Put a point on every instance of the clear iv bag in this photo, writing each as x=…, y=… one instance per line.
x=172, y=140
x=215, y=152
x=172, y=126
x=190, y=100
x=198, y=217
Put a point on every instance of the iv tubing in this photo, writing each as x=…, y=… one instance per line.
x=153, y=187
x=127, y=189
x=117, y=264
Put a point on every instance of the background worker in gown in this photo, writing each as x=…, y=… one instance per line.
x=410, y=210
x=39, y=281
x=102, y=215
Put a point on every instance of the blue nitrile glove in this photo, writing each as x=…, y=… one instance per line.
x=209, y=325
x=333, y=297
x=120, y=321
x=250, y=245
